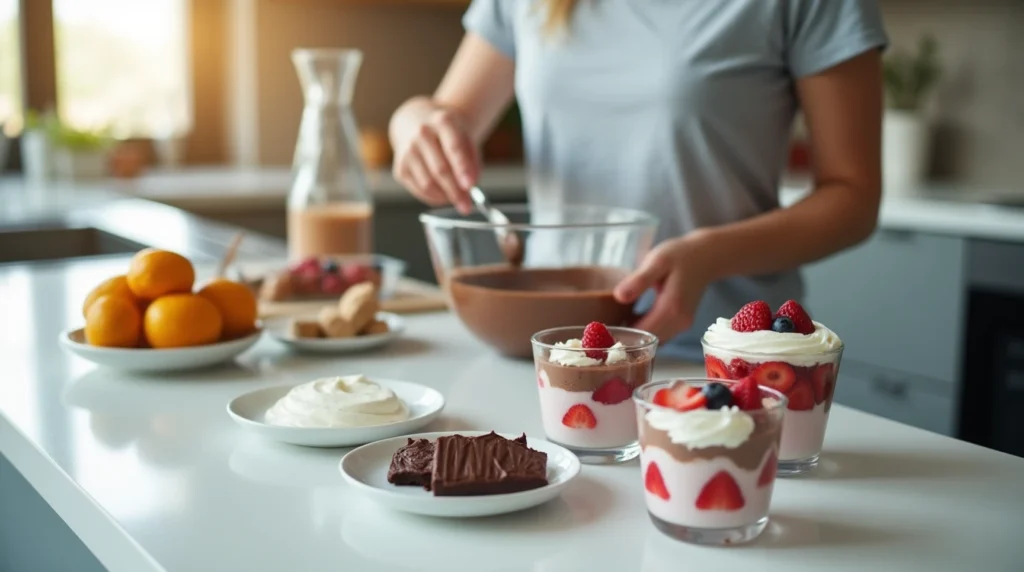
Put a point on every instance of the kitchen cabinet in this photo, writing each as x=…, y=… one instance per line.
x=898, y=302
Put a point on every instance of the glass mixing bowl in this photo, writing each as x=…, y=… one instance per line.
x=574, y=255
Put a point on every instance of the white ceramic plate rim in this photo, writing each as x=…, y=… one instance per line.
x=395, y=322
x=571, y=473
x=340, y=433
x=66, y=338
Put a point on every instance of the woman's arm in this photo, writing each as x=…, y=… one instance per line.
x=843, y=110
x=436, y=139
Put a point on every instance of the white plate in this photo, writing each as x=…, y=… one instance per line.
x=366, y=468
x=143, y=359
x=277, y=328
x=248, y=410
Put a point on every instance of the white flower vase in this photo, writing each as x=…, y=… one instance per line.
x=36, y=156
x=905, y=152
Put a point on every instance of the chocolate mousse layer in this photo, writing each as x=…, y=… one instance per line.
x=411, y=464
x=635, y=371
x=504, y=306
x=747, y=456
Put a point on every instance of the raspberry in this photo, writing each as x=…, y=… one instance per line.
x=753, y=317
x=597, y=337
x=795, y=312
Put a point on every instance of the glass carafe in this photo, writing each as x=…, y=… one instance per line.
x=330, y=206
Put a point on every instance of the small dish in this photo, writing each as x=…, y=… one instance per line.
x=156, y=360
x=366, y=468
x=248, y=410
x=277, y=328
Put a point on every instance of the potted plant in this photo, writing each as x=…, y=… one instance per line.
x=906, y=143
x=79, y=154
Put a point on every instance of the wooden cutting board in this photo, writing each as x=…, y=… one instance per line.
x=411, y=297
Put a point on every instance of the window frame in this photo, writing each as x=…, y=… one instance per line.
x=205, y=142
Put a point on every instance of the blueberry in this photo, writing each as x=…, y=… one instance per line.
x=783, y=325
x=330, y=267
x=717, y=396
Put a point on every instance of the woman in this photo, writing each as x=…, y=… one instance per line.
x=681, y=108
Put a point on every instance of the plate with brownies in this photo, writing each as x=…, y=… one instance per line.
x=460, y=474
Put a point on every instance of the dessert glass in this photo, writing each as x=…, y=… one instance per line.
x=711, y=494
x=809, y=396
x=586, y=407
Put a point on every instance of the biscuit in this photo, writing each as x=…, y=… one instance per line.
x=304, y=329
x=375, y=327
x=358, y=305
x=277, y=287
x=333, y=325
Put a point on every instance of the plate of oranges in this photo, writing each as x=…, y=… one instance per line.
x=154, y=317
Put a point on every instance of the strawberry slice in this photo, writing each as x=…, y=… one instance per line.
x=776, y=375
x=579, y=416
x=802, y=323
x=768, y=471
x=654, y=483
x=738, y=369
x=680, y=397
x=753, y=317
x=597, y=337
x=746, y=394
x=821, y=379
x=721, y=493
x=715, y=368
x=801, y=397
x=612, y=391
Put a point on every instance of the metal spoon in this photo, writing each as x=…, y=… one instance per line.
x=509, y=242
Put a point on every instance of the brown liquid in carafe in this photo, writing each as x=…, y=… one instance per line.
x=333, y=228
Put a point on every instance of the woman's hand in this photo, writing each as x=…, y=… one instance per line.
x=435, y=157
x=675, y=269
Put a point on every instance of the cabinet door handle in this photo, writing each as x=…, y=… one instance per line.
x=891, y=387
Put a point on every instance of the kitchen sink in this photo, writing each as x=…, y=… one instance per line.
x=58, y=242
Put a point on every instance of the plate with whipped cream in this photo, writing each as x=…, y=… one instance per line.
x=341, y=411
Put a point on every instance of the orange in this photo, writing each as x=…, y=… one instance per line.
x=180, y=320
x=154, y=273
x=118, y=286
x=113, y=321
x=236, y=303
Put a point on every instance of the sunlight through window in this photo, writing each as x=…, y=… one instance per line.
x=122, y=65
x=10, y=67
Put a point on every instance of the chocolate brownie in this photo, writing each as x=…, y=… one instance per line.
x=486, y=465
x=411, y=464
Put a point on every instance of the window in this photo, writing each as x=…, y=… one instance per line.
x=122, y=65
x=10, y=67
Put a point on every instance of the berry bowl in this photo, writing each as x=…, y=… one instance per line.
x=572, y=258
x=323, y=277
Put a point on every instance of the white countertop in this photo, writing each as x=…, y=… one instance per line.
x=153, y=475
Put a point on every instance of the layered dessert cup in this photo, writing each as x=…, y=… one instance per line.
x=789, y=352
x=708, y=456
x=586, y=377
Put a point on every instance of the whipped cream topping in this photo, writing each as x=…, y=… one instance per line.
x=722, y=336
x=727, y=427
x=571, y=353
x=349, y=401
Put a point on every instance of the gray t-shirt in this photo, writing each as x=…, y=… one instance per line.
x=681, y=108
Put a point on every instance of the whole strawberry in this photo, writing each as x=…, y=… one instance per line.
x=802, y=323
x=753, y=317
x=596, y=338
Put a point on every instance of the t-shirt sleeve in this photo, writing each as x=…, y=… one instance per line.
x=492, y=20
x=824, y=33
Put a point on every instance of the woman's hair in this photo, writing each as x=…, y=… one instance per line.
x=558, y=13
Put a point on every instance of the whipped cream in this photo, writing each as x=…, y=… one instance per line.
x=349, y=401
x=727, y=427
x=571, y=353
x=721, y=336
